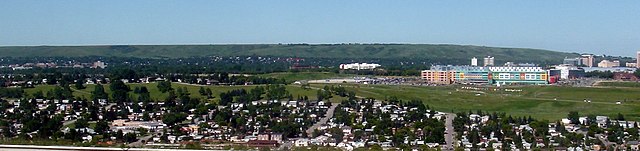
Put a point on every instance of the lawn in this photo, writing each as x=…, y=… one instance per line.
x=535, y=101
x=296, y=76
x=620, y=84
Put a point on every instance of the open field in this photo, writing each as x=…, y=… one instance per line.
x=535, y=101
x=297, y=76
x=620, y=84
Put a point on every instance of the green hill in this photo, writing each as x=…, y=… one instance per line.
x=382, y=51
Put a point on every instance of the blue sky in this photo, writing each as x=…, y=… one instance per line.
x=600, y=27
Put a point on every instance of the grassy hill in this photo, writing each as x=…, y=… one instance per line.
x=383, y=51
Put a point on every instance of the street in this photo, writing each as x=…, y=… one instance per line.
x=324, y=120
x=448, y=135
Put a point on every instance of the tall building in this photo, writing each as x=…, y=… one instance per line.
x=474, y=61
x=638, y=59
x=489, y=61
x=572, y=61
x=587, y=60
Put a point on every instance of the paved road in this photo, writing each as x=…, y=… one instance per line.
x=323, y=120
x=448, y=136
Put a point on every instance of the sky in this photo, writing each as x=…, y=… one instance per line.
x=585, y=26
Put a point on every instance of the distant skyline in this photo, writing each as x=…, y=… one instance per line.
x=585, y=26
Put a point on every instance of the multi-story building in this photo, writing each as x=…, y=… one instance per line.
x=609, y=64
x=359, y=66
x=518, y=75
x=489, y=75
x=638, y=59
x=587, y=60
x=437, y=77
x=631, y=65
x=474, y=61
x=567, y=72
x=489, y=61
x=572, y=61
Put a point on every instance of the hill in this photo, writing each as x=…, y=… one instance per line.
x=336, y=51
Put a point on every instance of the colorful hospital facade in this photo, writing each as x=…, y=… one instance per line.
x=485, y=75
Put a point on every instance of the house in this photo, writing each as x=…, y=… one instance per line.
x=87, y=138
x=634, y=145
x=303, y=142
x=624, y=76
x=346, y=130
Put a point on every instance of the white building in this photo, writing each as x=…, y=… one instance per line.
x=489, y=61
x=609, y=64
x=474, y=61
x=359, y=66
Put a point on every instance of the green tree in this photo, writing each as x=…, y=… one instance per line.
x=173, y=118
x=101, y=127
x=79, y=85
x=574, y=117
x=119, y=91
x=99, y=93
x=164, y=86
x=202, y=91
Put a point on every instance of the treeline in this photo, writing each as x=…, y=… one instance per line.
x=11, y=92
x=599, y=74
x=271, y=92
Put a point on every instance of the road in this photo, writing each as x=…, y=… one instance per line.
x=323, y=120
x=603, y=139
x=448, y=135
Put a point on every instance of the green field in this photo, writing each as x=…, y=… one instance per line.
x=620, y=84
x=296, y=76
x=535, y=101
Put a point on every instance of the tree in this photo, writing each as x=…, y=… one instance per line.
x=209, y=93
x=81, y=123
x=102, y=126
x=119, y=91
x=574, y=117
x=164, y=86
x=173, y=118
x=620, y=117
x=130, y=137
x=99, y=93
x=202, y=91
x=79, y=85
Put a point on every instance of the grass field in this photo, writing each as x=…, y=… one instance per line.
x=296, y=76
x=535, y=101
x=620, y=84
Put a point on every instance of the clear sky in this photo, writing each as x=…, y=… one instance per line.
x=600, y=27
